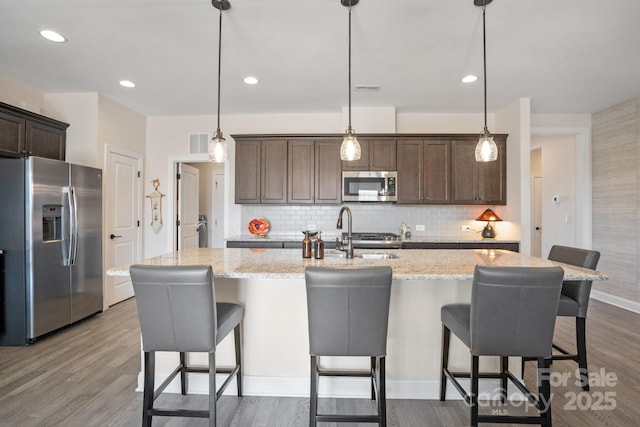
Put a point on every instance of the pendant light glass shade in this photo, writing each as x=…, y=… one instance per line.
x=218, y=152
x=350, y=148
x=486, y=149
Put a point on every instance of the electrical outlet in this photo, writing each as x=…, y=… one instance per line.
x=420, y=227
x=466, y=228
x=311, y=227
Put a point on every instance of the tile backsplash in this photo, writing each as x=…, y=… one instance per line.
x=439, y=221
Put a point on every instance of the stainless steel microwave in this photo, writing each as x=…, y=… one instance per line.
x=369, y=186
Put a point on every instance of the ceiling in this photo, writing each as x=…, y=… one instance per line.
x=569, y=56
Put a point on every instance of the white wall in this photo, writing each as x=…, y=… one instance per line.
x=80, y=110
x=514, y=119
x=167, y=142
x=558, y=171
x=22, y=96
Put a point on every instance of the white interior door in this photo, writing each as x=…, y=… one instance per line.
x=536, y=250
x=217, y=222
x=122, y=219
x=188, y=206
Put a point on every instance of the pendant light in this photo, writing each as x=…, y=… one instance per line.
x=486, y=149
x=350, y=148
x=218, y=152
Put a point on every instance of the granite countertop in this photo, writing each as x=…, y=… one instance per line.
x=471, y=238
x=410, y=264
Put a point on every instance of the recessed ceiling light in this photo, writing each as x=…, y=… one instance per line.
x=127, y=83
x=469, y=78
x=53, y=36
x=250, y=80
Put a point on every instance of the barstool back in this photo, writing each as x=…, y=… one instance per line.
x=513, y=310
x=579, y=291
x=348, y=310
x=176, y=307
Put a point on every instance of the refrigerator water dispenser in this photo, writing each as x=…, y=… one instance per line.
x=51, y=223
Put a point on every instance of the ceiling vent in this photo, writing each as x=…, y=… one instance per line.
x=367, y=88
x=198, y=143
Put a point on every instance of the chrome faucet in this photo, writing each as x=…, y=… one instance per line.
x=347, y=246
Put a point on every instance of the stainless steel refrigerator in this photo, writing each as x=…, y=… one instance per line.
x=51, y=234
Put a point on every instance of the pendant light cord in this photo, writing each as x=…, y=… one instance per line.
x=349, y=66
x=219, y=63
x=484, y=56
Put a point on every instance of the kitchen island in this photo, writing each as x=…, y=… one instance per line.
x=270, y=284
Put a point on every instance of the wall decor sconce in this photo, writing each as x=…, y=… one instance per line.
x=155, y=197
x=488, y=215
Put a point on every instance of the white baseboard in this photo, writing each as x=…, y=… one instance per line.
x=336, y=387
x=615, y=300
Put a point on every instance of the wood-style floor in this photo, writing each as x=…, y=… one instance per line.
x=86, y=375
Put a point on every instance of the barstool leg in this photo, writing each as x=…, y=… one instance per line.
x=183, y=373
x=213, y=390
x=474, y=390
x=382, y=391
x=238, y=343
x=581, y=344
x=373, y=370
x=446, y=337
x=544, y=391
x=313, y=395
x=149, y=387
x=504, y=367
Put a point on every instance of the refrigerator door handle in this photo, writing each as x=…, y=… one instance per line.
x=74, y=230
x=66, y=260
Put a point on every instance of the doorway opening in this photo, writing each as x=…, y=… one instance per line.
x=199, y=204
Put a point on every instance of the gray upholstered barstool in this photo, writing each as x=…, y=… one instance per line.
x=512, y=313
x=178, y=312
x=574, y=302
x=348, y=316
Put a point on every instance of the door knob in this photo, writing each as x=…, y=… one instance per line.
x=538, y=228
x=113, y=236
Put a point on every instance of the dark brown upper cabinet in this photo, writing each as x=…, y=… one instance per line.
x=314, y=172
x=261, y=171
x=377, y=154
x=478, y=183
x=438, y=169
x=424, y=172
x=24, y=134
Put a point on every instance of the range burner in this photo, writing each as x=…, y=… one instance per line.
x=374, y=240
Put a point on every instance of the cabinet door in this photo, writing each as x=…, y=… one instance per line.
x=464, y=173
x=11, y=135
x=247, y=164
x=478, y=183
x=492, y=177
x=409, y=171
x=363, y=163
x=45, y=141
x=301, y=174
x=382, y=155
x=274, y=172
x=328, y=171
x=436, y=171
x=376, y=155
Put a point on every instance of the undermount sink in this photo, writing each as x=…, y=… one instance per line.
x=334, y=254
x=364, y=255
x=376, y=255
